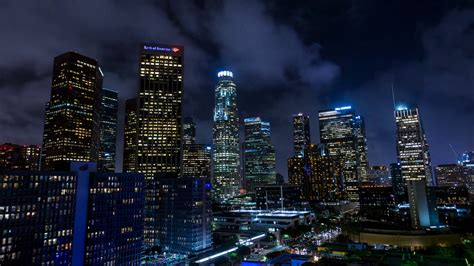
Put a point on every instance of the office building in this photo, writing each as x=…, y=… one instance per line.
x=72, y=123
x=197, y=160
x=77, y=217
x=415, y=163
x=376, y=202
x=467, y=160
x=301, y=134
x=379, y=174
x=398, y=184
x=452, y=175
x=189, y=131
x=295, y=171
x=323, y=181
x=158, y=147
x=108, y=130
x=226, y=155
x=283, y=197
x=259, y=154
x=184, y=208
x=130, y=136
x=343, y=134
x=19, y=157
x=362, y=150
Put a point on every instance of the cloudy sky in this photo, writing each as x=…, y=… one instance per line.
x=287, y=57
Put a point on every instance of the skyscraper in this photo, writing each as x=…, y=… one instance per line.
x=301, y=139
x=323, y=175
x=108, y=130
x=259, y=154
x=412, y=147
x=160, y=93
x=415, y=163
x=301, y=134
x=226, y=155
x=343, y=134
x=189, y=131
x=71, y=130
x=130, y=136
x=398, y=184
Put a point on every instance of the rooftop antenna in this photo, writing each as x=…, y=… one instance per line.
x=393, y=97
x=454, y=151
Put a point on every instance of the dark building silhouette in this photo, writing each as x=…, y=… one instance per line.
x=130, y=136
x=273, y=197
x=108, y=130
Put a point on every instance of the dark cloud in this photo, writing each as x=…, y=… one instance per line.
x=286, y=58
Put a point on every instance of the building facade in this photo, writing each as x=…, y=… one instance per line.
x=259, y=154
x=452, y=175
x=295, y=171
x=77, y=217
x=272, y=197
x=324, y=180
x=197, y=159
x=413, y=155
x=185, y=215
x=72, y=123
x=343, y=134
x=130, y=136
x=160, y=93
x=376, y=202
x=226, y=154
x=189, y=131
x=19, y=157
x=108, y=130
x=301, y=134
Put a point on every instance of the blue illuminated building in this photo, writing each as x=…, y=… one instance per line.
x=184, y=208
x=226, y=155
x=259, y=154
x=78, y=217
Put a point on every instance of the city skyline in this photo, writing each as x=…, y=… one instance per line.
x=336, y=80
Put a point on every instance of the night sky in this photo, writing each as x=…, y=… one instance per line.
x=287, y=57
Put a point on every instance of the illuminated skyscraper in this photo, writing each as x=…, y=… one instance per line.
x=343, y=134
x=71, y=130
x=130, y=136
x=301, y=139
x=301, y=134
x=108, y=130
x=323, y=175
x=189, y=131
x=259, y=154
x=414, y=157
x=160, y=93
x=226, y=155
